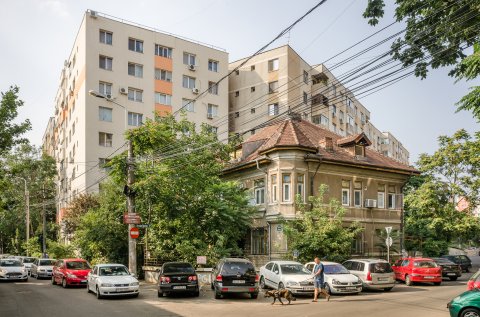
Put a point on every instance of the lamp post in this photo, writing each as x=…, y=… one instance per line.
x=132, y=245
x=27, y=210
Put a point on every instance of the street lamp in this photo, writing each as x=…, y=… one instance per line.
x=132, y=245
x=27, y=204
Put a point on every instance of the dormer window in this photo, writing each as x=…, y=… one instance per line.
x=360, y=150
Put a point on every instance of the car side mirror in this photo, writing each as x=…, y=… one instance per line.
x=276, y=272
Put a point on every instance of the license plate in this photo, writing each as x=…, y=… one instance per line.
x=428, y=277
x=121, y=289
x=179, y=287
x=238, y=282
x=308, y=288
x=83, y=281
x=383, y=279
x=451, y=274
x=351, y=288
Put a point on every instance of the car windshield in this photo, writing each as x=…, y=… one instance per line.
x=178, y=268
x=335, y=269
x=297, y=269
x=77, y=265
x=380, y=267
x=28, y=260
x=237, y=268
x=114, y=271
x=425, y=264
x=10, y=263
x=46, y=262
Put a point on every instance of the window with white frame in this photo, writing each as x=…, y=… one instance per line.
x=324, y=120
x=188, y=82
x=135, y=45
x=273, y=87
x=163, y=51
x=189, y=59
x=273, y=109
x=163, y=99
x=135, y=119
x=213, y=88
x=212, y=65
x=345, y=193
x=135, y=94
x=135, y=70
x=286, y=185
x=105, y=114
x=391, y=197
x=105, y=62
x=301, y=186
x=161, y=74
x=274, y=188
x=259, y=187
x=106, y=37
x=212, y=110
x=273, y=65
x=357, y=194
x=188, y=105
x=105, y=139
x=381, y=196
x=105, y=88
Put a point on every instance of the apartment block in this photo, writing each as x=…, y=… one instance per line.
x=137, y=72
x=279, y=80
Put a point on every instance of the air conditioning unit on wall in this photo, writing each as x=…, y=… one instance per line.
x=124, y=91
x=370, y=203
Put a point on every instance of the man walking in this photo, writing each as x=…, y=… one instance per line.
x=319, y=280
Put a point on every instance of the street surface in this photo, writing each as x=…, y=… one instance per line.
x=41, y=299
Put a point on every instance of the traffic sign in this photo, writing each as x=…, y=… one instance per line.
x=389, y=241
x=134, y=233
x=201, y=259
x=131, y=218
x=295, y=253
x=389, y=230
x=143, y=225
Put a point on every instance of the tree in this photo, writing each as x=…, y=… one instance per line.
x=437, y=35
x=319, y=230
x=79, y=206
x=10, y=132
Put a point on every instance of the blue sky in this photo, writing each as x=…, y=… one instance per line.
x=37, y=36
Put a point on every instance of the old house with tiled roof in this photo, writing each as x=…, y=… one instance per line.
x=294, y=157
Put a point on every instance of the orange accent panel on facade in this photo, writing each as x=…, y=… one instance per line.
x=162, y=110
x=163, y=63
x=163, y=86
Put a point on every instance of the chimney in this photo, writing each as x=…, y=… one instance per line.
x=328, y=144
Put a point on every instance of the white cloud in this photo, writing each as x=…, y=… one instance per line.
x=56, y=7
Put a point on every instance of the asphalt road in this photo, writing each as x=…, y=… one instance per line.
x=41, y=299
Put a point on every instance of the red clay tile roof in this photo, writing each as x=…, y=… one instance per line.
x=308, y=136
x=353, y=139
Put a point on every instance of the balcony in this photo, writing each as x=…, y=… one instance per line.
x=319, y=78
x=319, y=99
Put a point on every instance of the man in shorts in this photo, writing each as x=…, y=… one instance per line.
x=318, y=279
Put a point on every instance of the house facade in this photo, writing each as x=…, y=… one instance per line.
x=294, y=157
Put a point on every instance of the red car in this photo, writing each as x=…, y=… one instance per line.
x=413, y=270
x=69, y=272
x=474, y=281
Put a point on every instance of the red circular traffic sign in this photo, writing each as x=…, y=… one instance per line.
x=134, y=233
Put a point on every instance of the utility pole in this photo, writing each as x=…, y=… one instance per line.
x=27, y=210
x=132, y=244
x=44, y=225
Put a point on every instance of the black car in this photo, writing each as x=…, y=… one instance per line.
x=449, y=269
x=234, y=275
x=462, y=260
x=177, y=277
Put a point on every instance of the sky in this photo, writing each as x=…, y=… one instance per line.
x=37, y=35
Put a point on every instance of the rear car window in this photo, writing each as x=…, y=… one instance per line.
x=28, y=260
x=77, y=265
x=46, y=262
x=237, y=268
x=424, y=264
x=380, y=267
x=178, y=268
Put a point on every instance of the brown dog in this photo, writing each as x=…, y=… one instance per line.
x=281, y=293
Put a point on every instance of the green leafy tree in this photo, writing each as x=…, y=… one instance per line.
x=320, y=231
x=79, y=206
x=440, y=29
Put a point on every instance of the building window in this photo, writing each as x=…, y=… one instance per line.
x=135, y=70
x=106, y=37
x=73, y=128
x=341, y=116
x=163, y=51
x=189, y=59
x=334, y=90
x=259, y=192
x=252, y=111
x=273, y=109
x=305, y=97
x=381, y=196
x=212, y=110
x=274, y=188
x=259, y=241
x=135, y=94
x=273, y=65
x=391, y=197
x=334, y=110
x=105, y=88
x=212, y=129
x=188, y=105
x=305, y=77
x=188, y=82
x=301, y=186
x=163, y=99
x=252, y=68
x=105, y=114
x=105, y=139
x=286, y=183
x=212, y=65
x=324, y=120
x=346, y=193
x=105, y=62
x=272, y=87
x=252, y=89
x=135, y=45
x=357, y=194
x=213, y=88
x=135, y=119
x=237, y=72
x=360, y=150
x=237, y=114
x=161, y=74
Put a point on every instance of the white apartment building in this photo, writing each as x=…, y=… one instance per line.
x=144, y=71
x=279, y=80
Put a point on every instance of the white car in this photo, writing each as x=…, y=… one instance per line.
x=112, y=280
x=338, y=280
x=287, y=274
x=42, y=268
x=27, y=261
x=12, y=270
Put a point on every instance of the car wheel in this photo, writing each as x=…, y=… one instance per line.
x=196, y=293
x=159, y=293
x=453, y=278
x=253, y=295
x=470, y=312
x=388, y=289
x=262, y=283
x=135, y=295
x=99, y=296
x=408, y=281
x=64, y=283
x=53, y=281
x=437, y=283
x=280, y=285
x=218, y=295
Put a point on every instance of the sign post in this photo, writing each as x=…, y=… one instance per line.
x=388, y=242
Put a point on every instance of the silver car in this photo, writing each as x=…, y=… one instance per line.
x=27, y=261
x=42, y=268
x=374, y=273
x=12, y=270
